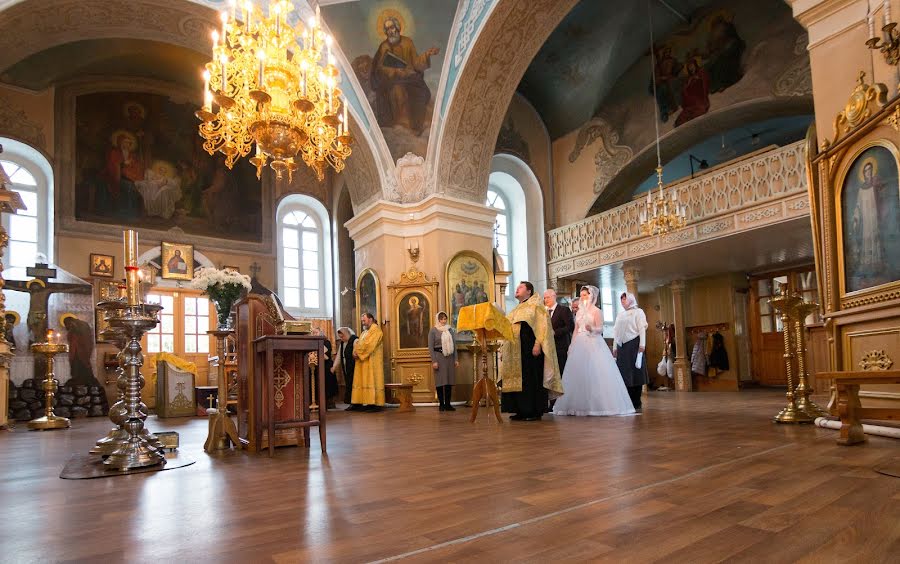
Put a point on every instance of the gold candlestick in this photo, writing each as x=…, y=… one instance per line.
x=803, y=390
x=786, y=304
x=50, y=420
x=132, y=274
x=221, y=427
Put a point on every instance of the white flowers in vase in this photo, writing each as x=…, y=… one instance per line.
x=224, y=287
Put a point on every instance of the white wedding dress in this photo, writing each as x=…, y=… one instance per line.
x=592, y=380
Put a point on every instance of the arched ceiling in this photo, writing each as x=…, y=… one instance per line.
x=589, y=50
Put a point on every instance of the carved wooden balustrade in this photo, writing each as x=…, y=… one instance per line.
x=764, y=188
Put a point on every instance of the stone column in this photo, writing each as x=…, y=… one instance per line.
x=683, y=380
x=632, y=275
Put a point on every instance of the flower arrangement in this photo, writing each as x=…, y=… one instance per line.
x=224, y=287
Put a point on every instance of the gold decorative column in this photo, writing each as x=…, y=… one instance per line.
x=804, y=390
x=49, y=349
x=221, y=427
x=683, y=380
x=786, y=303
x=10, y=202
x=632, y=275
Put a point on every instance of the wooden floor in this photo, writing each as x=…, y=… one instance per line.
x=696, y=478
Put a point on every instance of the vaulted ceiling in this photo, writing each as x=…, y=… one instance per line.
x=592, y=47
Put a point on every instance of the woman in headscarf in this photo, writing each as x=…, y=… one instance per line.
x=591, y=379
x=344, y=359
x=629, y=340
x=443, y=359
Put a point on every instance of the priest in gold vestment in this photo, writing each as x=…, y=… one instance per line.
x=530, y=371
x=368, y=375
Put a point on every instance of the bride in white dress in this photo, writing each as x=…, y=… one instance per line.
x=591, y=379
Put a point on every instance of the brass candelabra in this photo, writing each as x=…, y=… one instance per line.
x=50, y=420
x=889, y=43
x=786, y=303
x=804, y=390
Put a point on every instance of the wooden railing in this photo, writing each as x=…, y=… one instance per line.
x=768, y=187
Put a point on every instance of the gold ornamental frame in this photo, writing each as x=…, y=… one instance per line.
x=448, y=304
x=413, y=365
x=359, y=311
x=846, y=163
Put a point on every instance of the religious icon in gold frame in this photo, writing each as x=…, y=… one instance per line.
x=368, y=296
x=177, y=261
x=469, y=281
x=102, y=265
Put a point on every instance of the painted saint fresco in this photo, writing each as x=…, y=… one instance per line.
x=397, y=52
x=870, y=208
x=696, y=62
x=139, y=161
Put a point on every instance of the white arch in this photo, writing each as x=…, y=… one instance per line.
x=326, y=263
x=35, y=162
x=505, y=168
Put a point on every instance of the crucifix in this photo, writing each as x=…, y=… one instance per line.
x=40, y=288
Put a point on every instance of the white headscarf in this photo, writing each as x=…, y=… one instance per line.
x=630, y=323
x=446, y=336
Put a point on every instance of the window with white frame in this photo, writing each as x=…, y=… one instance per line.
x=608, y=305
x=26, y=239
x=501, y=228
x=302, y=264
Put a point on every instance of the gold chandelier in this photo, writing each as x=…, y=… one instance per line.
x=661, y=214
x=276, y=86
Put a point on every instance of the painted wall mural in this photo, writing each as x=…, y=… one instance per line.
x=397, y=51
x=695, y=62
x=140, y=162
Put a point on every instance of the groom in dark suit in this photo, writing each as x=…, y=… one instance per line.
x=563, y=325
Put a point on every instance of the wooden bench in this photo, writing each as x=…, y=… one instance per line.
x=403, y=395
x=845, y=403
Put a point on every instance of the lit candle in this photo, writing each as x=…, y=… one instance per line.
x=224, y=61
x=261, y=55
x=49, y=335
x=215, y=38
x=248, y=13
x=233, y=8
x=131, y=268
x=277, y=9
x=224, y=18
x=207, y=95
x=871, y=26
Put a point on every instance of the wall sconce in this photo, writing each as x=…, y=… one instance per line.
x=413, y=251
x=702, y=162
x=890, y=45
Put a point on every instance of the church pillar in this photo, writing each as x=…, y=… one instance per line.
x=439, y=227
x=683, y=380
x=632, y=275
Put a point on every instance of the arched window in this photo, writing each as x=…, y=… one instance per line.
x=30, y=230
x=501, y=227
x=304, y=256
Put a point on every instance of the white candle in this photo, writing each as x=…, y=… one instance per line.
x=233, y=7
x=674, y=196
x=207, y=95
x=261, y=55
x=215, y=38
x=224, y=16
x=887, y=12
x=224, y=60
x=871, y=26
x=345, y=113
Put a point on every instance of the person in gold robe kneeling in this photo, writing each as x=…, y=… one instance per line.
x=368, y=374
x=530, y=371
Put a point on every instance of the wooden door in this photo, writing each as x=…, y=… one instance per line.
x=766, y=335
x=184, y=320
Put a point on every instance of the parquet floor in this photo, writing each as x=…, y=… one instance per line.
x=696, y=478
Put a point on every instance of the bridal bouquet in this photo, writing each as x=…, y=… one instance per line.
x=224, y=287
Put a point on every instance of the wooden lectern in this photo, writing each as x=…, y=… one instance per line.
x=488, y=322
x=257, y=316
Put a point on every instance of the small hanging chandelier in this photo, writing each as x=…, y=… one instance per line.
x=661, y=214
x=276, y=87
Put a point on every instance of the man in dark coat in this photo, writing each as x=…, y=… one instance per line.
x=563, y=323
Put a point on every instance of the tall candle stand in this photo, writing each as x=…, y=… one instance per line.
x=221, y=426
x=786, y=303
x=803, y=391
x=117, y=436
x=133, y=318
x=50, y=420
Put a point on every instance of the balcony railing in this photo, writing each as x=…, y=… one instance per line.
x=767, y=187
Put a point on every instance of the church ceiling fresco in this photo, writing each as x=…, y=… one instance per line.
x=397, y=52
x=595, y=44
